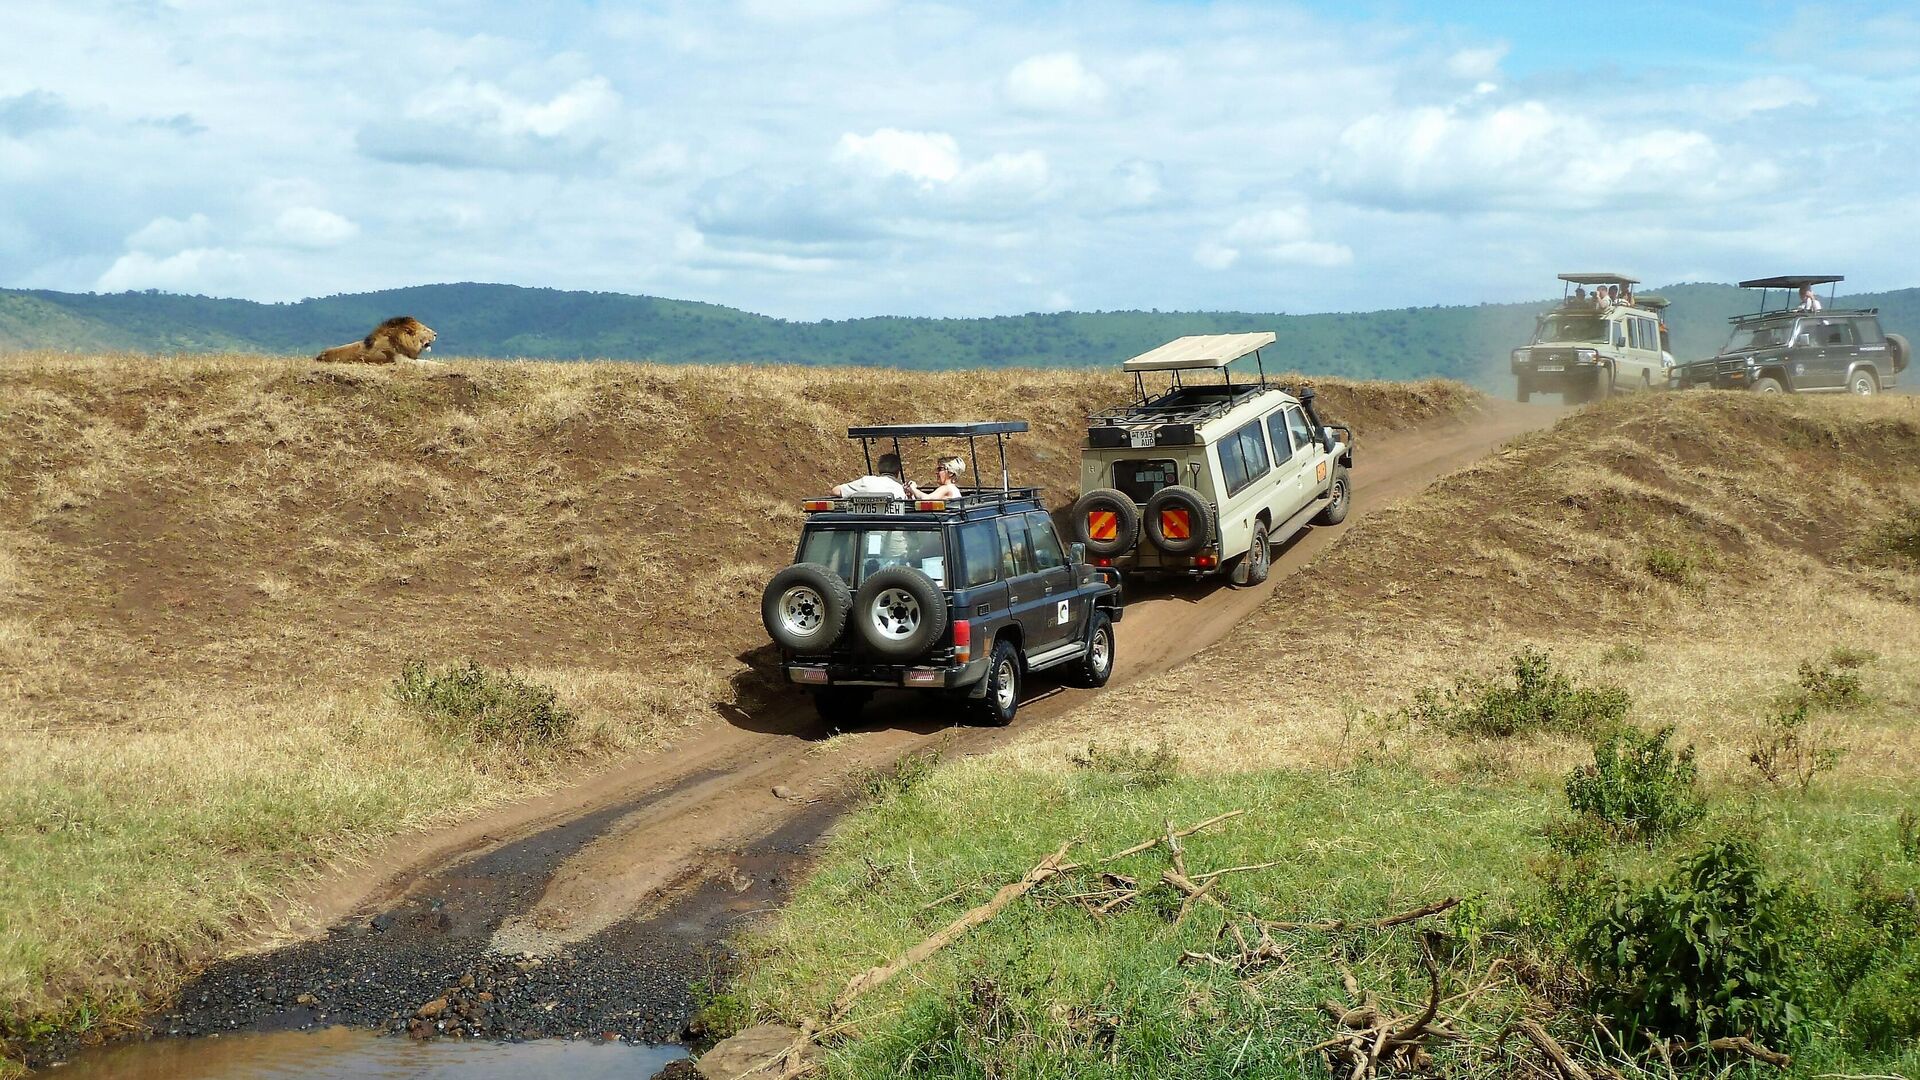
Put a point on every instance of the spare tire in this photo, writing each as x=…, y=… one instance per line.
x=1899, y=351
x=1178, y=520
x=1106, y=521
x=899, y=612
x=805, y=608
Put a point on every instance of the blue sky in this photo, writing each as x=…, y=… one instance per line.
x=831, y=158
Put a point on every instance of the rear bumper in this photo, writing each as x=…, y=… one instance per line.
x=813, y=671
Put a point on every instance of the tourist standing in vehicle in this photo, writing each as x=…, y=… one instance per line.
x=947, y=473
x=885, y=482
x=1808, y=301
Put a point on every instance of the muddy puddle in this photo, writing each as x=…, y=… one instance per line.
x=343, y=1053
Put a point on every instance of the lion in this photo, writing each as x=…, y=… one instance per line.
x=400, y=336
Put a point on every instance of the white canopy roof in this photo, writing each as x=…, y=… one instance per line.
x=1200, y=351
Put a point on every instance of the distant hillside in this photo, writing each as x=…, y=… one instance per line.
x=1469, y=343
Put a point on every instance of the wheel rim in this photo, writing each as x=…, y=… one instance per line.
x=1768, y=388
x=802, y=609
x=1003, y=693
x=1339, y=493
x=1102, y=650
x=1861, y=385
x=895, y=614
x=1262, y=550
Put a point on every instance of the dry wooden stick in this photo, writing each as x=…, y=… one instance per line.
x=1188, y=831
x=1336, y=925
x=1548, y=1045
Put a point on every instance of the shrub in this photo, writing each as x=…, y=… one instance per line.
x=717, y=1015
x=1907, y=834
x=472, y=702
x=1700, y=956
x=1623, y=652
x=1537, y=699
x=1897, y=538
x=1844, y=656
x=1638, y=784
x=1788, y=752
x=1669, y=565
x=912, y=770
x=1829, y=685
x=1137, y=767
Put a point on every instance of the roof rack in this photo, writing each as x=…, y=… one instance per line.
x=1180, y=405
x=972, y=431
x=1598, y=279
x=970, y=499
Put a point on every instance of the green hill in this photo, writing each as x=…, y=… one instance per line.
x=1468, y=343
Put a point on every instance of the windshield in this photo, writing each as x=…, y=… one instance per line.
x=1572, y=328
x=855, y=553
x=1762, y=336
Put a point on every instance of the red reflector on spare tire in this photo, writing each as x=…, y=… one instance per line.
x=1176, y=524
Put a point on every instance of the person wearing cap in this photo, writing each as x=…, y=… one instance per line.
x=886, y=482
x=948, y=473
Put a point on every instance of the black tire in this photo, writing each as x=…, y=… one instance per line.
x=1094, y=669
x=1863, y=381
x=1646, y=381
x=1002, y=699
x=1335, y=511
x=1523, y=393
x=899, y=612
x=1899, y=352
x=1252, y=568
x=804, y=608
x=1126, y=521
x=1199, y=519
x=839, y=707
x=1602, y=385
x=1767, y=384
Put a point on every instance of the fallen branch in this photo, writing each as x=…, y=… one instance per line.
x=1186, y=832
x=1373, y=1040
x=1336, y=925
x=1548, y=1045
x=1740, y=1044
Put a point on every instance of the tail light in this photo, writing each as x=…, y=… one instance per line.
x=815, y=506
x=962, y=640
x=1204, y=561
x=1103, y=561
x=930, y=504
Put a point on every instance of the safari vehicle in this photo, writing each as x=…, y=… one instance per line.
x=1205, y=477
x=1585, y=349
x=1807, y=352
x=963, y=596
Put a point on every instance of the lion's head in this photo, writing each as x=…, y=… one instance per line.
x=402, y=334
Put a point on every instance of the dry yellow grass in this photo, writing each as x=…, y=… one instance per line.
x=1546, y=544
x=211, y=568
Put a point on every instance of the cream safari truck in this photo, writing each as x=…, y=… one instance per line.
x=1586, y=349
x=1207, y=475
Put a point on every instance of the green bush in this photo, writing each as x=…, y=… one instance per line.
x=1537, y=698
x=1669, y=565
x=912, y=770
x=1907, y=834
x=472, y=702
x=1788, y=752
x=1897, y=538
x=1830, y=685
x=1638, y=784
x=1136, y=767
x=1702, y=955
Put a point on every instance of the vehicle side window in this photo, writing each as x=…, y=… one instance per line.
x=1046, y=543
x=1277, y=432
x=1837, y=334
x=1138, y=480
x=979, y=552
x=1016, y=558
x=1243, y=457
x=1869, y=332
x=1297, y=424
x=1620, y=334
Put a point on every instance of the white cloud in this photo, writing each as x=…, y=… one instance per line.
x=1479, y=64
x=801, y=12
x=214, y=271
x=475, y=122
x=1054, y=82
x=168, y=234
x=312, y=227
x=1281, y=235
x=926, y=156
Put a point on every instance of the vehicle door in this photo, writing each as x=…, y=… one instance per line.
x=1835, y=340
x=1245, y=487
x=1623, y=370
x=1060, y=612
x=1027, y=602
x=1314, y=464
x=1806, y=356
x=1643, y=351
x=1291, y=485
x=978, y=591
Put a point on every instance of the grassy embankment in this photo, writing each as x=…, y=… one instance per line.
x=213, y=571
x=1744, y=571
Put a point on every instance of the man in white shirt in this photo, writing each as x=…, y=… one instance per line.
x=887, y=482
x=1808, y=301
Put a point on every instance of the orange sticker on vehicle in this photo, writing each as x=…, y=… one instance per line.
x=1175, y=525
x=1103, y=525
x=1320, y=471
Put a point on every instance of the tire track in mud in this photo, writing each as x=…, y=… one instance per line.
x=594, y=911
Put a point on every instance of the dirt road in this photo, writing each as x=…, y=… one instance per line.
x=592, y=909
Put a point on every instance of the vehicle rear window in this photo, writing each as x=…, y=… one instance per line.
x=1243, y=457
x=979, y=553
x=1138, y=480
x=855, y=553
x=1046, y=543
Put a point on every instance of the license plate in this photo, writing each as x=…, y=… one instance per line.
x=1550, y=367
x=1140, y=439
x=871, y=506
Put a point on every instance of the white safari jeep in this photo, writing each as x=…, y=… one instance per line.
x=1207, y=476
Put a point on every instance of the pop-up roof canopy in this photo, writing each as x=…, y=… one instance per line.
x=1791, y=281
x=1598, y=279
x=938, y=431
x=1199, y=351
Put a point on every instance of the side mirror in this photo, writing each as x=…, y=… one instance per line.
x=1078, y=552
x=1326, y=439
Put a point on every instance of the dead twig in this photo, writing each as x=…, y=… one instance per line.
x=1336, y=925
x=1562, y=1061
x=1181, y=834
x=1740, y=1044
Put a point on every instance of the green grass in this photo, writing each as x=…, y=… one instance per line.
x=1047, y=989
